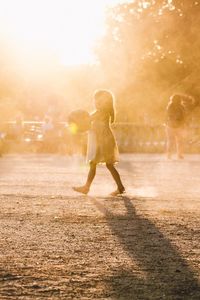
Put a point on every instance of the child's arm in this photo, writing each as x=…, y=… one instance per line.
x=93, y=115
x=112, y=116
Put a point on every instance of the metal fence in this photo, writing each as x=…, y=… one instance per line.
x=130, y=137
x=152, y=139
x=140, y=138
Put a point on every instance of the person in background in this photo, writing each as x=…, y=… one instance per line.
x=18, y=128
x=102, y=147
x=47, y=130
x=47, y=125
x=176, y=120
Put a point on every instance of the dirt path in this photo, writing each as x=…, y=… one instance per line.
x=55, y=244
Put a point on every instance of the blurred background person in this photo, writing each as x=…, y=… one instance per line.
x=48, y=130
x=18, y=128
x=176, y=120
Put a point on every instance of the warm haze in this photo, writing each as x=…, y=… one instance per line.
x=66, y=30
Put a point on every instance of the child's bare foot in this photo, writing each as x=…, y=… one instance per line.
x=81, y=189
x=118, y=192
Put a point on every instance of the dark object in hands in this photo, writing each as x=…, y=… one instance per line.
x=79, y=121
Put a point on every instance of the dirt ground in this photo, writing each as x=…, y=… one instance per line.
x=56, y=244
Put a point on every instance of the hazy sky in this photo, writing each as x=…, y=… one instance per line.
x=68, y=29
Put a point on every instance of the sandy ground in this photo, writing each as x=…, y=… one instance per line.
x=56, y=244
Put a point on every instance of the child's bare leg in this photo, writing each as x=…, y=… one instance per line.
x=85, y=188
x=117, y=179
x=91, y=174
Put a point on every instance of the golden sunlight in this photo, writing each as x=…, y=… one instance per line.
x=67, y=30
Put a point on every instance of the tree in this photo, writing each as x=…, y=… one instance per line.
x=150, y=48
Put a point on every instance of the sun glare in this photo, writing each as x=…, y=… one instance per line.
x=66, y=29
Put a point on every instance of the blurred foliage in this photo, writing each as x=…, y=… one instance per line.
x=151, y=50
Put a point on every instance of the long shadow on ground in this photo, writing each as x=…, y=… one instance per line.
x=167, y=274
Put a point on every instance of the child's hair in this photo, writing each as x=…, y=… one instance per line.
x=176, y=98
x=181, y=98
x=106, y=102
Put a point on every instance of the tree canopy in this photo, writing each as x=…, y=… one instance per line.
x=151, y=49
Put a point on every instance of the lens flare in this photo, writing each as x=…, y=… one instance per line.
x=73, y=128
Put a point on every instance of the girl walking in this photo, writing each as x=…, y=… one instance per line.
x=102, y=147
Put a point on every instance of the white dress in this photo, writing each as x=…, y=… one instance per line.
x=102, y=146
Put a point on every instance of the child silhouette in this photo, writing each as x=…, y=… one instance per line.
x=102, y=146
